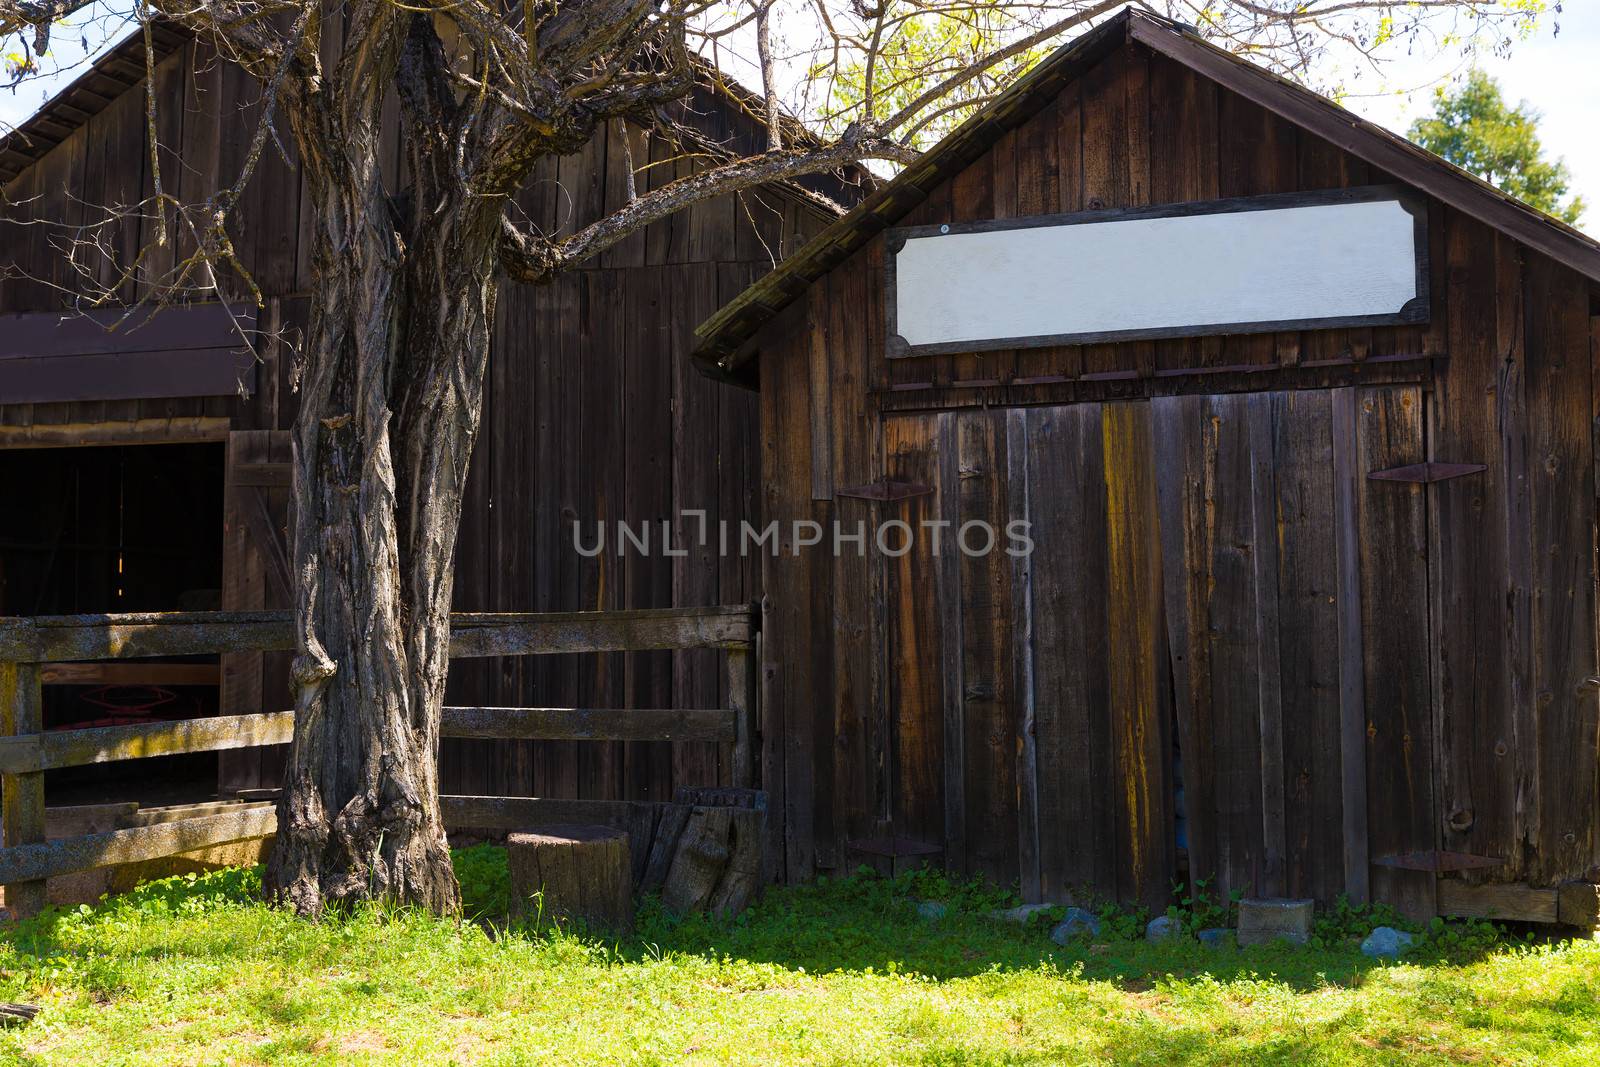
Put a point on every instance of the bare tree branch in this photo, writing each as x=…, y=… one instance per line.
x=531, y=258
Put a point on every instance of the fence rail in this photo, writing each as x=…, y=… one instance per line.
x=28, y=646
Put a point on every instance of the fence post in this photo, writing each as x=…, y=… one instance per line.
x=22, y=795
x=739, y=700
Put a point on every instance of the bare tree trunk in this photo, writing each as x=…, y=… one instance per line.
x=390, y=400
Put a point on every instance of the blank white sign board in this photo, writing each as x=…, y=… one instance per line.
x=1228, y=271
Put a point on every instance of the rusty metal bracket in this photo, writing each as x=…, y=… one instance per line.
x=1438, y=861
x=1426, y=473
x=885, y=489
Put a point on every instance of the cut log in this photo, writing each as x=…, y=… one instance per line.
x=712, y=859
x=573, y=872
x=1578, y=904
x=698, y=861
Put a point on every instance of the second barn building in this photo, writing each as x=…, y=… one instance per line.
x=1299, y=421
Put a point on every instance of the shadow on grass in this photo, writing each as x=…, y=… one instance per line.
x=860, y=923
x=866, y=922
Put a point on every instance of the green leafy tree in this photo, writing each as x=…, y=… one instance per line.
x=1474, y=128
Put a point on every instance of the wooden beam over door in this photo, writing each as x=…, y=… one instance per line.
x=117, y=354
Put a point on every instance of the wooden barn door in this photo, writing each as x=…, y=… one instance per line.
x=255, y=575
x=1297, y=607
x=1028, y=694
x=1220, y=635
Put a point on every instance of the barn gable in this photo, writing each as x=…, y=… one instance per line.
x=1310, y=610
x=1157, y=172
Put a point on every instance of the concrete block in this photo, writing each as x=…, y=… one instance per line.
x=1272, y=919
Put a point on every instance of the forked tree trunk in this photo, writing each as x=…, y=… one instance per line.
x=390, y=397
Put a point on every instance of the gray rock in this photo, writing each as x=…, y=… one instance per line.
x=1021, y=914
x=1163, y=928
x=1215, y=937
x=932, y=910
x=1386, y=943
x=1074, y=925
x=1274, y=919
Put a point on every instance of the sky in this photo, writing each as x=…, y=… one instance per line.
x=1557, y=73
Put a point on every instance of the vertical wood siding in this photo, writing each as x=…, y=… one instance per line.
x=1345, y=669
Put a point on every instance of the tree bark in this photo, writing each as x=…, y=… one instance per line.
x=390, y=399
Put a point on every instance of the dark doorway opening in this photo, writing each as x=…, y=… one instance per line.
x=118, y=529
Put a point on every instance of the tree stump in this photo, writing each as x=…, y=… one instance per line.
x=709, y=849
x=582, y=872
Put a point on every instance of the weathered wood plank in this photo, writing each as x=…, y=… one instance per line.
x=698, y=477
x=77, y=748
x=741, y=678
x=1308, y=662
x=529, y=813
x=1072, y=705
x=166, y=431
x=22, y=814
x=615, y=630
x=1225, y=500
x=856, y=757
x=1023, y=662
x=84, y=637
x=1211, y=561
x=129, y=673
x=1185, y=539
x=796, y=662
x=915, y=675
x=988, y=701
x=46, y=859
x=592, y=724
x=1105, y=158
x=1135, y=660
x=1183, y=168
x=1513, y=903
x=1393, y=539
x=1352, y=656
x=1265, y=549
x=947, y=595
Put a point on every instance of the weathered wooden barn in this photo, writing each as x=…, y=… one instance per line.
x=592, y=414
x=1302, y=421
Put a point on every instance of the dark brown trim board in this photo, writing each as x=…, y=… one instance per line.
x=194, y=351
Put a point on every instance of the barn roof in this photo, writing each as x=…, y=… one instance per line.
x=91, y=92
x=724, y=337
x=123, y=68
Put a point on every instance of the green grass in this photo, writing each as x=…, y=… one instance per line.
x=196, y=970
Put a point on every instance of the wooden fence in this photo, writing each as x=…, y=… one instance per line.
x=33, y=648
